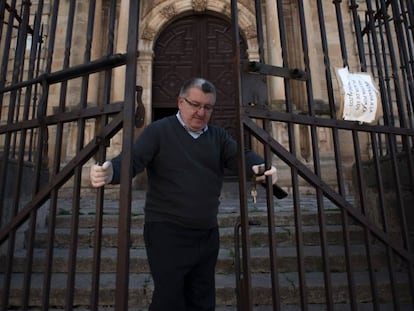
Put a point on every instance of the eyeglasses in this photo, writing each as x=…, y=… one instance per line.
x=197, y=106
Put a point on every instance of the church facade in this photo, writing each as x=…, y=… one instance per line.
x=186, y=38
x=180, y=39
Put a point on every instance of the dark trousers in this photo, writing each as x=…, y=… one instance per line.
x=182, y=263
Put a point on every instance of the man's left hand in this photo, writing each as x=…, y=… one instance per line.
x=261, y=173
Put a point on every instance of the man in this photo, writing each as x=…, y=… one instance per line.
x=185, y=160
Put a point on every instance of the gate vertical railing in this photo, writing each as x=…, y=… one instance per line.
x=100, y=157
x=381, y=45
x=122, y=276
x=293, y=149
x=244, y=278
x=268, y=162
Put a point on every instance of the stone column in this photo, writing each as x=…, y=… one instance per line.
x=121, y=46
x=313, y=39
x=93, y=89
x=118, y=88
x=276, y=85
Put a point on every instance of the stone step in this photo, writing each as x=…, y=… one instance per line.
x=283, y=307
x=285, y=235
x=225, y=219
x=260, y=262
x=141, y=282
x=140, y=289
x=322, y=307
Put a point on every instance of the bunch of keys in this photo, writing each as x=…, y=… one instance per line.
x=278, y=192
x=253, y=191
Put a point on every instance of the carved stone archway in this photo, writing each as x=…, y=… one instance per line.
x=157, y=14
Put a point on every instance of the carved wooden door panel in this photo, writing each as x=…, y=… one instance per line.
x=195, y=46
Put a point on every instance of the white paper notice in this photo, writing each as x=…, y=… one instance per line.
x=360, y=96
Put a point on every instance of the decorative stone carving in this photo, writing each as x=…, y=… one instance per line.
x=250, y=32
x=169, y=11
x=226, y=10
x=148, y=33
x=199, y=5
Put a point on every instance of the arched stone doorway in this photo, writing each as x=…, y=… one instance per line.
x=197, y=45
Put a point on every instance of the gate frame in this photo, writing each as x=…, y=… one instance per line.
x=125, y=118
x=245, y=114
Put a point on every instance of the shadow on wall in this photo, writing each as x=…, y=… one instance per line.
x=391, y=205
x=27, y=187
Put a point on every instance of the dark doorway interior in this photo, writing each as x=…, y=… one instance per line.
x=196, y=46
x=159, y=113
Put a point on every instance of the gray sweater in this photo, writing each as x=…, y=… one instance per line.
x=185, y=175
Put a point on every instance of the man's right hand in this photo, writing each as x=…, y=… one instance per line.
x=101, y=174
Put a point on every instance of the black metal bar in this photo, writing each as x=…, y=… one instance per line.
x=402, y=119
x=367, y=235
x=76, y=192
x=122, y=275
x=73, y=72
x=316, y=159
x=402, y=48
x=64, y=175
x=324, y=122
x=20, y=161
x=394, y=92
x=56, y=160
x=2, y=22
x=9, y=146
x=101, y=156
x=371, y=25
x=410, y=12
x=353, y=6
x=407, y=67
x=341, y=32
x=38, y=42
x=27, y=27
x=35, y=52
x=268, y=163
x=64, y=117
x=336, y=138
x=387, y=119
x=237, y=266
x=6, y=54
x=294, y=173
x=246, y=285
x=33, y=70
x=378, y=38
x=270, y=70
x=42, y=143
x=392, y=56
x=385, y=222
x=332, y=195
x=20, y=56
x=42, y=131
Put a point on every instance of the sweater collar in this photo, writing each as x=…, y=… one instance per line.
x=194, y=134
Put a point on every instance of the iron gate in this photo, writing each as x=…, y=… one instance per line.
x=381, y=198
x=372, y=163
x=31, y=121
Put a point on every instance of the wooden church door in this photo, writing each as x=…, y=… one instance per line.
x=195, y=46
